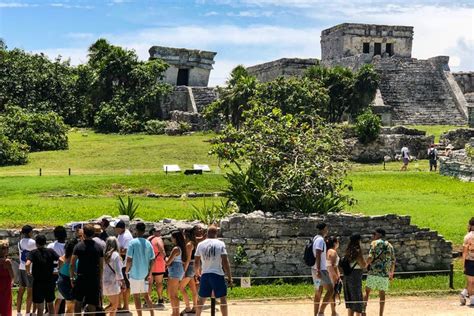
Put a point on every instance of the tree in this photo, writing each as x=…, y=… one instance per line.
x=233, y=99
x=283, y=162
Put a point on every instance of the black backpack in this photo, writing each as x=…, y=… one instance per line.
x=345, y=266
x=432, y=154
x=308, y=256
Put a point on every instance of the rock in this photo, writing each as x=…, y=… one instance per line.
x=458, y=138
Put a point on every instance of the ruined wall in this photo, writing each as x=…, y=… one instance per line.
x=274, y=244
x=286, y=67
x=347, y=39
x=465, y=81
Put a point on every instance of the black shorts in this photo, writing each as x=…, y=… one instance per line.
x=157, y=273
x=469, y=267
x=87, y=289
x=43, y=291
x=125, y=278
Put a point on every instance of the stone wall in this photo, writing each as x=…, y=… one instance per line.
x=465, y=81
x=347, y=39
x=458, y=138
x=388, y=145
x=274, y=244
x=286, y=67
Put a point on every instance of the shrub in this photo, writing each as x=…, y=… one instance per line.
x=212, y=214
x=129, y=208
x=12, y=152
x=155, y=127
x=289, y=163
x=368, y=126
x=40, y=131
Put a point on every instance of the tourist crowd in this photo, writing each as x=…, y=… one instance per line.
x=92, y=266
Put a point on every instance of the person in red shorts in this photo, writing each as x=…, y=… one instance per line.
x=6, y=277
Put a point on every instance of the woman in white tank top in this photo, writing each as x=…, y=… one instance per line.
x=332, y=262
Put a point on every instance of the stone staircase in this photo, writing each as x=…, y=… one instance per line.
x=203, y=96
x=418, y=91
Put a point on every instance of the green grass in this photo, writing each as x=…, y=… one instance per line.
x=92, y=153
x=435, y=130
x=440, y=203
x=106, y=166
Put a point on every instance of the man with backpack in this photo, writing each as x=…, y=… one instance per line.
x=433, y=157
x=319, y=271
x=381, y=263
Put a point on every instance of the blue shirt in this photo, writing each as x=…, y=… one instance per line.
x=141, y=252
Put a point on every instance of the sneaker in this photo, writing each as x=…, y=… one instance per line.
x=462, y=297
x=471, y=300
x=160, y=304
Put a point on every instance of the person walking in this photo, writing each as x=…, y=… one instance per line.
x=140, y=257
x=6, y=280
x=64, y=279
x=321, y=278
x=332, y=261
x=124, y=236
x=112, y=280
x=40, y=264
x=468, y=263
x=159, y=266
x=352, y=281
x=88, y=257
x=176, y=269
x=405, y=158
x=189, y=274
x=433, y=157
x=211, y=265
x=58, y=245
x=382, y=267
x=25, y=245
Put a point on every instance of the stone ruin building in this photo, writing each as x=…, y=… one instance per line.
x=412, y=91
x=188, y=72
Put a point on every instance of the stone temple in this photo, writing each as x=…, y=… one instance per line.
x=412, y=91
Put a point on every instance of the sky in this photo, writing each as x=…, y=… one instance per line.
x=244, y=32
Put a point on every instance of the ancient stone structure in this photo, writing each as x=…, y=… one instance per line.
x=285, y=67
x=388, y=144
x=274, y=243
x=459, y=164
x=465, y=81
x=457, y=138
x=353, y=39
x=412, y=91
x=187, y=67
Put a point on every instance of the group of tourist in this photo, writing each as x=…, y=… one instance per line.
x=380, y=266
x=93, y=265
x=433, y=156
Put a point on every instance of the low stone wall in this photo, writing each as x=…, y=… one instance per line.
x=286, y=67
x=458, y=138
x=388, y=144
x=274, y=243
x=460, y=168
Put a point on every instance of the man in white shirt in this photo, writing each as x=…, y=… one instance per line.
x=124, y=236
x=212, y=265
x=405, y=157
x=25, y=245
x=319, y=271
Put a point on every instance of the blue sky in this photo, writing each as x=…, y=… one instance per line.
x=240, y=31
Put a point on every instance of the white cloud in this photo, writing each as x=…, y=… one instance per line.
x=15, y=5
x=70, y=6
x=251, y=14
x=211, y=13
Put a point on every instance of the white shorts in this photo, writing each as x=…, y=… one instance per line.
x=138, y=286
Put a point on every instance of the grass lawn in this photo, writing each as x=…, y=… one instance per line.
x=105, y=166
x=435, y=130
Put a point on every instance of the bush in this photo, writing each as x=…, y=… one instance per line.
x=212, y=214
x=155, y=127
x=12, y=152
x=40, y=131
x=368, y=126
x=129, y=209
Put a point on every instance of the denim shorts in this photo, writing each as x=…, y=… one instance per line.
x=64, y=287
x=190, y=271
x=176, y=270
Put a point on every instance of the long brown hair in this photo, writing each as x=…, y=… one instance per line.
x=353, y=250
x=181, y=243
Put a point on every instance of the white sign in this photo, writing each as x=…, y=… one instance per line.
x=171, y=168
x=201, y=167
x=245, y=283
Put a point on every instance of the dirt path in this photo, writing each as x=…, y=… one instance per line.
x=406, y=306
